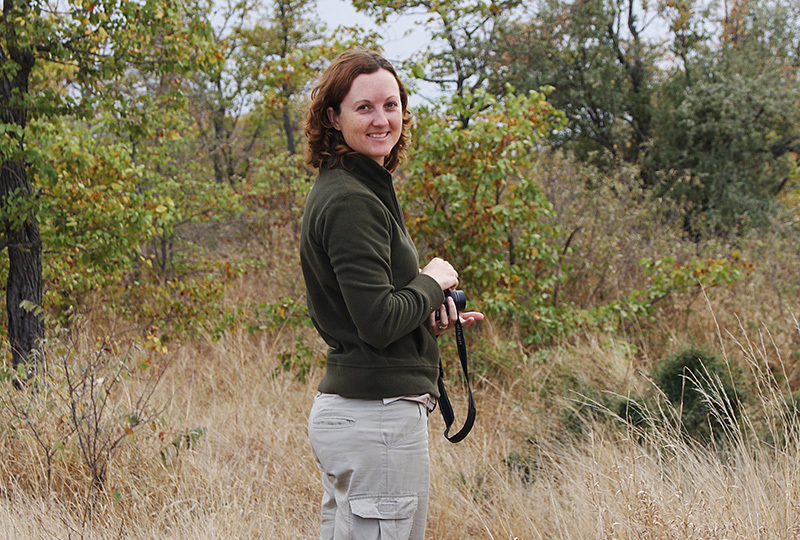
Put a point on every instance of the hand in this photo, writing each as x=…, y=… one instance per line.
x=447, y=318
x=443, y=272
x=468, y=318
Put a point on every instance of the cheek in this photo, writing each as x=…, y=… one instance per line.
x=399, y=122
x=352, y=127
x=397, y=125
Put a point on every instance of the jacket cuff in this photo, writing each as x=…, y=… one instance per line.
x=430, y=289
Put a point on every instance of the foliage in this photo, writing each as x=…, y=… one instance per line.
x=711, y=119
x=184, y=441
x=707, y=393
x=276, y=196
x=285, y=316
x=668, y=278
x=64, y=59
x=94, y=214
x=110, y=223
x=727, y=136
x=249, y=103
x=459, y=56
x=284, y=53
x=602, y=68
x=86, y=45
x=301, y=361
x=285, y=313
x=473, y=201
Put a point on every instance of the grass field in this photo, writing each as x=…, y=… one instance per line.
x=251, y=475
x=218, y=448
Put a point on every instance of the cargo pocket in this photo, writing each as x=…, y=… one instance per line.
x=394, y=514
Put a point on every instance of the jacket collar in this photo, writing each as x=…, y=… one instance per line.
x=377, y=179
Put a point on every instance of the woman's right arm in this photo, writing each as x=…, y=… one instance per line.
x=356, y=237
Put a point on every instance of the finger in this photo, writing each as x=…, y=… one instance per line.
x=452, y=312
x=467, y=322
x=468, y=318
x=444, y=320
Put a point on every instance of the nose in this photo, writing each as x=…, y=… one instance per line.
x=380, y=117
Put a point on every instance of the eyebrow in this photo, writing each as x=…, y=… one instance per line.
x=369, y=101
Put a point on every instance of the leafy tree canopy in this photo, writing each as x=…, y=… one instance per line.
x=703, y=100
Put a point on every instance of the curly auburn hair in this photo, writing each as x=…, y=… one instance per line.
x=325, y=141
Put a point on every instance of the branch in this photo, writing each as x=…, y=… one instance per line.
x=650, y=304
x=558, y=268
x=786, y=145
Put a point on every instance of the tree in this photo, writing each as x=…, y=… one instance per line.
x=596, y=56
x=459, y=57
x=221, y=94
x=728, y=120
x=708, y=113
x=86, y=44
x=284, y=52
x=474, y=199
x=249, y=104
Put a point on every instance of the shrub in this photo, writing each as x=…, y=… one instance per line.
x=707, y=392
x=474, y=201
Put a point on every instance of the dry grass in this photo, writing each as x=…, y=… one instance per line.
x=252, y=476
x=521, y=474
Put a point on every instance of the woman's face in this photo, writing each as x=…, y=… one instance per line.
x=371, y=115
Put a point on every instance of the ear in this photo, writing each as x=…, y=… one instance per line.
x=333, y=118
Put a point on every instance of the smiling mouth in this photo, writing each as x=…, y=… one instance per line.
x=378, y=135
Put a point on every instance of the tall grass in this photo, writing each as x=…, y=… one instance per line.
x=221, y=450
x=251, y=474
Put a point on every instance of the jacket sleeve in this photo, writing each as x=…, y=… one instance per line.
x=357, y=238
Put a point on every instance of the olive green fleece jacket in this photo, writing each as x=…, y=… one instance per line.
x=364, y=291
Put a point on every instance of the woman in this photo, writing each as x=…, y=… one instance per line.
x=372, y=305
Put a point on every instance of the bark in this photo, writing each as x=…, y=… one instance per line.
x=20, y=237
x=288, y=127
x=24, y=283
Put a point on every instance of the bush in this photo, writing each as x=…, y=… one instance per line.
x=707, y=393
x=88, y=423
x=474, y=200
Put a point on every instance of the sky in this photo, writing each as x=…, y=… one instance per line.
x=400, y=39
x=397, y=45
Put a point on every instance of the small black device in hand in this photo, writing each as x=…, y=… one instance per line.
x=458, y=297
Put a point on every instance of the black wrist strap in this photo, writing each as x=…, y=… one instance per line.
x=444, y=401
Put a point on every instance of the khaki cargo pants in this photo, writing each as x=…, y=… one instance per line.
x=375, y=467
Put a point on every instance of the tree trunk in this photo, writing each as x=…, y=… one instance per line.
x=218, y=152
x=24, y=283
x=20, y=235
x=288, y=127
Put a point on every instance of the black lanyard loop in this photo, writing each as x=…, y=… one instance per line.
x=444, y=401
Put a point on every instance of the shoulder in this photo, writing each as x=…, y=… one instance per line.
x=338, y=196
x=336, y=188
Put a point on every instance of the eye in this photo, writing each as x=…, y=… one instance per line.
x=362, y=107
